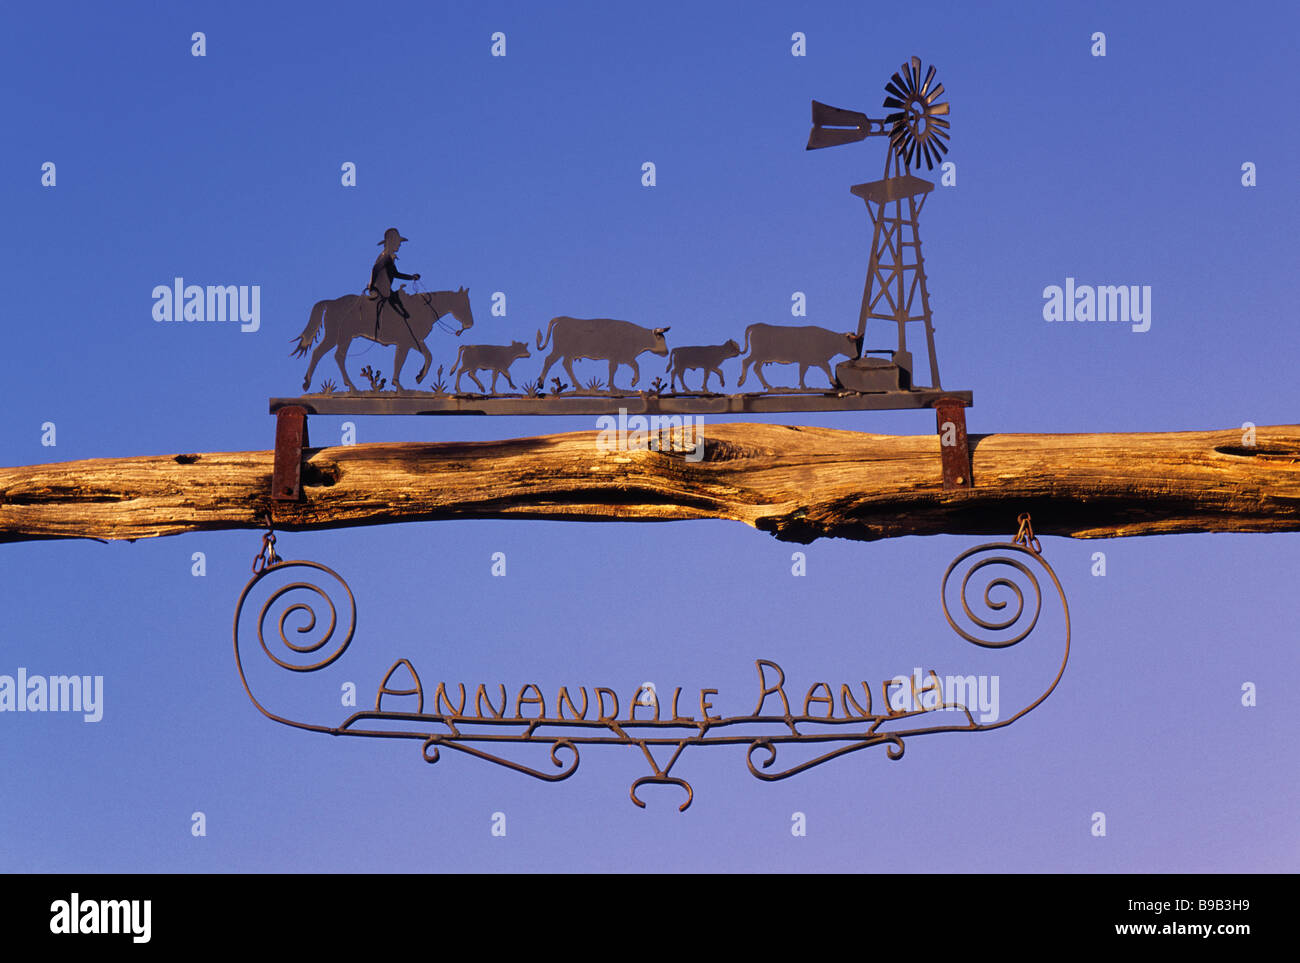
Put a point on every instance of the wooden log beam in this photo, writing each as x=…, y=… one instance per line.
x=797, y=483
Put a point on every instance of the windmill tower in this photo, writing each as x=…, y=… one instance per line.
x=895, y=288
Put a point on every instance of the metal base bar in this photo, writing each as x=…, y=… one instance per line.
x=427, y=403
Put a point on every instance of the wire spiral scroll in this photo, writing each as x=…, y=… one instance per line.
x=297, y=603
x=990, y=603
x=1018, y=623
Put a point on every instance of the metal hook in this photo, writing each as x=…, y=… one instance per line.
x=1026, y=536
x=267, y=556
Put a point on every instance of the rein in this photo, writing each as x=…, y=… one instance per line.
x=437, y=316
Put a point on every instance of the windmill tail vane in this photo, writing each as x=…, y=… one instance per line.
x=833, y=126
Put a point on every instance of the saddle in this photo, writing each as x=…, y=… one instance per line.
x=383, y=308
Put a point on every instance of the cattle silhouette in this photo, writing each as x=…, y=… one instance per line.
x=806, y=345
x=497, y=357
x=708, y=357
x=599, y=339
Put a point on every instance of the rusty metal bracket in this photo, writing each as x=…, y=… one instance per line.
x=290, y=443
x=954, y=451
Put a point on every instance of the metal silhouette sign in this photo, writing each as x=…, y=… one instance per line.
x=304, y=618
x=895, y=291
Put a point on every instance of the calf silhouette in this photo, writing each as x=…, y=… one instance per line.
x=479, y=357
x=708, y=357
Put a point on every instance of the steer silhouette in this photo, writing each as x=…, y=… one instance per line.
x=599, y=339
x=807, y=346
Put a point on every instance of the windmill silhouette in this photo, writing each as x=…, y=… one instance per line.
x=895, y=288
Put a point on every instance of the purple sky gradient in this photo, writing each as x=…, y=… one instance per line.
x=522, y=174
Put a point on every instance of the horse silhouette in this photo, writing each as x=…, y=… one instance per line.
x=353, y=316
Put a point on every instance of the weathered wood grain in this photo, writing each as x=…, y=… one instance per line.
x=797, y=483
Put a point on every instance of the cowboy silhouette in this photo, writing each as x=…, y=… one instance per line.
x=383, y=274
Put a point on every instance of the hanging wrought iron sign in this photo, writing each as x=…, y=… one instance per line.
x=304, y=618
x=311, y=610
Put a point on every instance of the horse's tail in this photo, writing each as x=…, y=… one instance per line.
x=311, y=332
x=549, y=328
x=459, y=354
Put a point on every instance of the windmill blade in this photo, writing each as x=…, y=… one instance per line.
x=929, y=76
x=917, y=132
x=909, y=151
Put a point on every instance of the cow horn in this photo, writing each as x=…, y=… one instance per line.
x=661, y=330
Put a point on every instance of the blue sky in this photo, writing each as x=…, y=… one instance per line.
x=522, y=174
